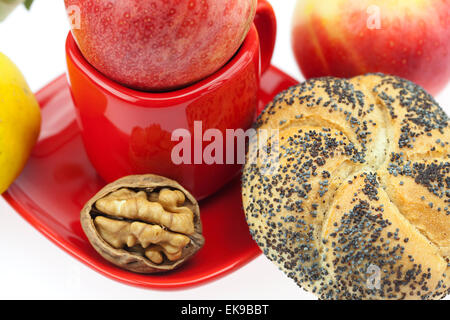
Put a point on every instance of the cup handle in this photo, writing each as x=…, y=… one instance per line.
x=266, y=24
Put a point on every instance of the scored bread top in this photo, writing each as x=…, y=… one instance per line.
x=351, y=197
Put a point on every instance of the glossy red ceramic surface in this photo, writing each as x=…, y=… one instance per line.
x=266, y=24
x=130, y=132
x=59, y=179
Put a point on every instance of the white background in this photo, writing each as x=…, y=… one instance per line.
x=31, y=267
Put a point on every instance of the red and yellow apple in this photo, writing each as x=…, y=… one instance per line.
x=160, y=45
x=344, y=38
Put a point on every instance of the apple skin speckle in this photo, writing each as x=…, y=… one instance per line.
x=161, y=45
x=332, y=38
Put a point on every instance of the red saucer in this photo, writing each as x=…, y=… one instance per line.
x=59, y=179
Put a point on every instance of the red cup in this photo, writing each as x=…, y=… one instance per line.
x=128, y=132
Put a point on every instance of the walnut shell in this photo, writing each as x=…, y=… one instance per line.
x=133, y=258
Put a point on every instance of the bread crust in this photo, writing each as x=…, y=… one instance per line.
x=361, y=183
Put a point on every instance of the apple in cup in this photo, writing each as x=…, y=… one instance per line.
x=159, y=45
x=344, y=38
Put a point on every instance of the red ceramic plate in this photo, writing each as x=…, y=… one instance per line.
x=59, y=179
